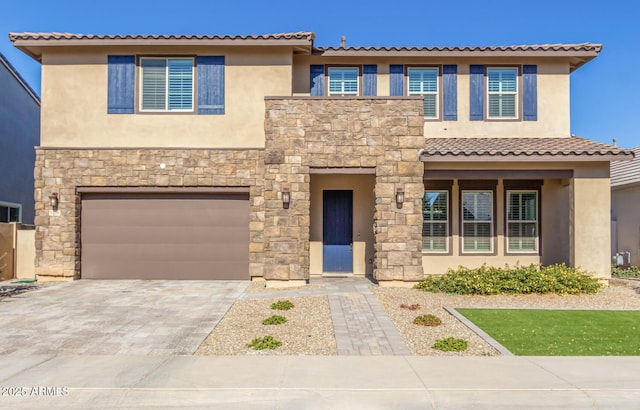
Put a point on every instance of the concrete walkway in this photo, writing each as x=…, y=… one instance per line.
x=313, y=382
x=360, y=324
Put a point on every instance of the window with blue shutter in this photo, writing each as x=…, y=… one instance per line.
x=424, y=82
x=370, y=80
x=210, y=84
x=530, y=92
x=450, y=92
x=396, y=80
x=343, y=81
x=167, y=84
x=502, y=93
x=121, y=84
x=476, y=93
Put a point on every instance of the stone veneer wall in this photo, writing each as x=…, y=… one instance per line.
x=365, y=132
x=301, y=133
x=63, y=170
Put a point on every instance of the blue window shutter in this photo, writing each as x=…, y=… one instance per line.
x=530, y=92
x=396, y=80
x=370, y=80
x=121, y=84
x=476, y=92
x=210, y=84
x=450, y=92
x=316, y=83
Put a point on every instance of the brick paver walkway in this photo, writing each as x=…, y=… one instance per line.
x=360, y=324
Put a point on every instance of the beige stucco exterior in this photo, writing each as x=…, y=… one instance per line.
x=573, y=216
x=74, y=95
x=553, y=95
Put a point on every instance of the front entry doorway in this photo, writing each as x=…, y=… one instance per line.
x=337, y=231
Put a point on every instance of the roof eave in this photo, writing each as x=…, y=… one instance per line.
x=525, y=158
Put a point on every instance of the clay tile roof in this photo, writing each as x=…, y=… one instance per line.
x=301, y=35
x=521, y=149
x=535, y=47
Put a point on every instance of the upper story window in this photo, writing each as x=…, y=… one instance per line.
x=343, y=81
x=502, y=93
x=424, y=82
x=166, y=84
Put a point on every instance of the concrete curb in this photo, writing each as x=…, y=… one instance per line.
x=484, y=335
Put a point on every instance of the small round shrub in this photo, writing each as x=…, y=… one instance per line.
x=427, y=320
x=450, y=344
x=282, y=305
x=630, y=272
x=274, y=320
x=262, y=343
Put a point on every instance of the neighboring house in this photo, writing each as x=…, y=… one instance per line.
x=625, y=208
x=19, y=135
x=267, y=157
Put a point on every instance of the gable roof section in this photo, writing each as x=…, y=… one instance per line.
x=625, y=173
x=19, y=79
x=521, y=149
x=31, y=43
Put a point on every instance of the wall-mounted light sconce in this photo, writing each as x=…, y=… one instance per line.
x=286, y=197
x=53, y=199
x=399, y=196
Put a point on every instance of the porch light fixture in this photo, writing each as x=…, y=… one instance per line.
x=399, y=197
x=53, y=199
x=286, y=197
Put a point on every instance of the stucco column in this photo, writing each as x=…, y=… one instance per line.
x=590, y=226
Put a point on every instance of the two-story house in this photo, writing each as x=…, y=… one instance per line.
x=268, y=157
x=19, y=134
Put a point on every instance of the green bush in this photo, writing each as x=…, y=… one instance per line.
x=630, y=272
x=274, y=320
x=488, y=280
x=450, y=344
x=427, y=320
x=282, y=305
x=262, y=343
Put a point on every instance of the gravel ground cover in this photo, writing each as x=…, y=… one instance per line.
x=620, y=295
x=308, y=330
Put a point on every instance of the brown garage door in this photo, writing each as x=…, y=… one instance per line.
x=164, y=236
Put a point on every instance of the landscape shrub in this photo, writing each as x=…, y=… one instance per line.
x=630, y=272
x=274, y=320
x=262, y=343
x=450, y=344
x=282, y=305
x=427, y=320
x=488, y=280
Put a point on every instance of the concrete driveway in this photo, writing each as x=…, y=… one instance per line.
x=129, y=317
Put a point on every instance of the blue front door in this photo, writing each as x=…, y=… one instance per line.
x=337, y=231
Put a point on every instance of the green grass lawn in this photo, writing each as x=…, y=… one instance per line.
x=532, y=332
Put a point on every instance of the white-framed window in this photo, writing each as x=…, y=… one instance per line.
x=10, y=212
x=502, y=93
x=435, y=225
x=166, y=84
x=344, y=81
x=424, y=82
x=522, y=221
x=477, y=221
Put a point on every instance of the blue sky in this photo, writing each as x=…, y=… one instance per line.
x=605, y=94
